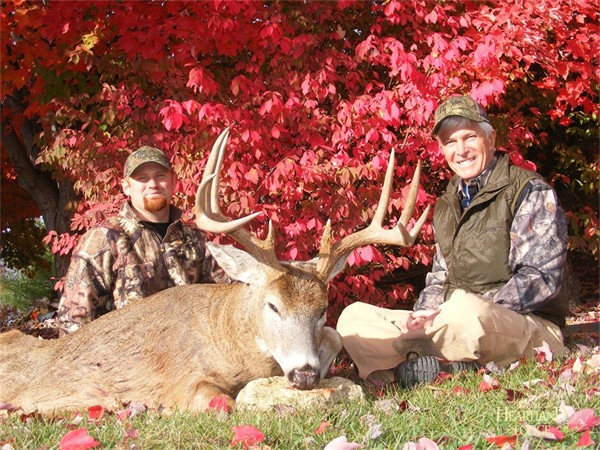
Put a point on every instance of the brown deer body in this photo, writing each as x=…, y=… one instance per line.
x=184, y=346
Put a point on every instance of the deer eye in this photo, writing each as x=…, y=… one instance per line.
x=274, y=308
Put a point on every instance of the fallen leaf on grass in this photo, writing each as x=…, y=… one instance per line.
x=373, y=432
x=77, y=440
x=459, y=391
x=466, y=447
x=219, y=403
x=585, y=440
x=321, y=427
x=423, y=444
x=246, y=435
x=28, y=418
x=514, y=365
x=543, y=353
x=583, y=420
x=341, y=443
x=512, y=395
x=544, y=432
x=132, y=433
x=564, y=412
x=565, y=376
x=389, y=406
x=533, y=382
x=132, y=410
x=441, y=377
x=488, y=384
x=495, y=368
x=95, y=413
x=501, y=441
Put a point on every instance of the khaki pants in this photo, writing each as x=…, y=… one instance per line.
x=468, y=328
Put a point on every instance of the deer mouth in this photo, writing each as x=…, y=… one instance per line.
x=304, y=379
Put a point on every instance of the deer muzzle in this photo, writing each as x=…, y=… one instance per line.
x=305, y=378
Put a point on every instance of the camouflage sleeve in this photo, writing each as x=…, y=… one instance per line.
x=538, y=251
x=210, y=271
x=86, y=283
x=432, y=296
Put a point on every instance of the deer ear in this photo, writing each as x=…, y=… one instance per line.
x=337, y=268
x=238, y=264
x=311, y=266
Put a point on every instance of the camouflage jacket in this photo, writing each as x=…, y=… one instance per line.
x=123, y=260
x=535, y=256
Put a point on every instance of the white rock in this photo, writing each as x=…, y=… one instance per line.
x=265, y=393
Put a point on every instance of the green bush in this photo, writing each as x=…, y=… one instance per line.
x=21, y=287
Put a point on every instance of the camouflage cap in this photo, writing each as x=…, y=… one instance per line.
x=143, y=155
x=463, y=106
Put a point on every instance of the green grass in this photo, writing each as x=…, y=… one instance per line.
x=432, y=411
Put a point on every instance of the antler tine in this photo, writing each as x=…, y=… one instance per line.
x=210, y=218
x=386, y=191
x=411, y=200
x=374, y=233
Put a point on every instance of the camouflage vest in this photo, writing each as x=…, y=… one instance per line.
x=476, y=242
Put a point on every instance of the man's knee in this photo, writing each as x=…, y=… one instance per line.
x=350, y=318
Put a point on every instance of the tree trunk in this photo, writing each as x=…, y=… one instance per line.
x=51, y=197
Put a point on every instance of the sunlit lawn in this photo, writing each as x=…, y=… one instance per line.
x=467, y=409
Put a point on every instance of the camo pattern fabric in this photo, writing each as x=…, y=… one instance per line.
x=537, y=256
x=124, y=260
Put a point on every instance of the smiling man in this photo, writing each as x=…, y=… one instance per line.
x=142, y=250
x=494, y=290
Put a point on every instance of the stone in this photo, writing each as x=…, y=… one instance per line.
x=266, y=393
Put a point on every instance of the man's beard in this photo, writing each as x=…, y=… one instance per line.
x=155, y=204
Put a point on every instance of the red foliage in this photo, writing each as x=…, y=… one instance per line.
x=316, y=93
x=247, y=436
x=78, y=439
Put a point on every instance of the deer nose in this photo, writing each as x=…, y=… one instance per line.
x=305, y=378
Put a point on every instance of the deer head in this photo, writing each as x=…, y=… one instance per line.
x=294, y=293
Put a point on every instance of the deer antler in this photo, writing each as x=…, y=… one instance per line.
x=375, y=233
x=210, y=218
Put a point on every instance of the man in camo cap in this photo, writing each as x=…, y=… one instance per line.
x=494, y=290
x=142, y=250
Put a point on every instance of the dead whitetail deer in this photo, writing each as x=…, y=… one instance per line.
x=183, y=346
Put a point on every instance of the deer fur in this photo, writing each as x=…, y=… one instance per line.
x=178, y=348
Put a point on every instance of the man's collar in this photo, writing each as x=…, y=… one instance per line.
x=481, y=179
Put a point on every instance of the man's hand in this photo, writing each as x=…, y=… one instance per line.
x=418, y=320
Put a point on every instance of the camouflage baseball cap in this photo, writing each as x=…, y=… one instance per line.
x=463, y=106
x=143, y=155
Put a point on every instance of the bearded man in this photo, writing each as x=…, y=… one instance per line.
x=142, y=250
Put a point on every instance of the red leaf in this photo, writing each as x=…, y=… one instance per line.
x=585, y=440
x=500, y=441
x=544, y=432
x=321, y=427
x=442, y=376
x=95, y=412
x=543, y=353
x=77, y=440
x=172, y=115
x=488, y=384
x=219, y=403
x=466, y=447
x=132, y=433
x=275, y=132
x=341, y=443
x=512, y=395
x=246, y=435
x=459, y=391
x=583, y=420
